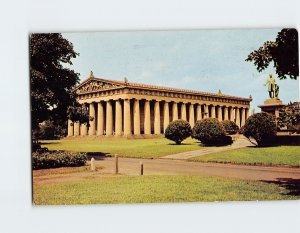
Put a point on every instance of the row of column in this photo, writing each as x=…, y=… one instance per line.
x=122, y=121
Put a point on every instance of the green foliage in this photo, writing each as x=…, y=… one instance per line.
x=178, y=130
x=283, y=52
x=49, y=130
x=261, y=127
x=210, y=132
x=54, y=159
x=230, y=127
x=241, y=130
x=52, y=84
x=289, y=116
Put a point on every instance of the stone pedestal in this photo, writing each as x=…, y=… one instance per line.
x=272, y=106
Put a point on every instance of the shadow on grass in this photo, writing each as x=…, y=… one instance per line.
x=98, y=155
x=182, y=144
x=48, y=143
x=292, y=185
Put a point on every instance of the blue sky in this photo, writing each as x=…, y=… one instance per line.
x=204, y=60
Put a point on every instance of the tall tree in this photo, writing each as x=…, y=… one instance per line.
x=283, y=52
x=52, y=84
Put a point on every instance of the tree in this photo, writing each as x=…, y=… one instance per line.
x=211, y=132
x=283, y=52
x=178, y=130
x=289, y=116
x=52, y=84
x=261, y=127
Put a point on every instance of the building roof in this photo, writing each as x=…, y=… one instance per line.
x=125, y=83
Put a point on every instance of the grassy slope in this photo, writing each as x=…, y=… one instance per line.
x=280, y=155
x=139, y=148
x=145, y=189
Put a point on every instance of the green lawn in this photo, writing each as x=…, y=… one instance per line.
x=136, y=148
x=146, y=189
x=268, y=156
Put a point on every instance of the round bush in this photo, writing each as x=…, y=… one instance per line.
x=230, y=127
x=261, y=127
x=210, y=132
x=178, y=130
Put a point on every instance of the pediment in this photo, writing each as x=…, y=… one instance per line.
x=94, y=85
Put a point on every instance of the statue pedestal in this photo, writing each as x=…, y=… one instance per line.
x=272, y=106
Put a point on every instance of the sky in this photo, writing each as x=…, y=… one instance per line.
x=203, y=60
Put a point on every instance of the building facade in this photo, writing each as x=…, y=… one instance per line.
x=122, y=108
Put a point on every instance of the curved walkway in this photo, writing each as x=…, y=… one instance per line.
x=240, y=142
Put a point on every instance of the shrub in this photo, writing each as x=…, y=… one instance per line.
x=230, y=127
x=49, y=130
x=178, y=130
x=261, y=127
x=241, y=130
x=210, y=132
x=55, y=159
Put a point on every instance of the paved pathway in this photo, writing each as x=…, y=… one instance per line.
x=130, y=166
x=240, y=142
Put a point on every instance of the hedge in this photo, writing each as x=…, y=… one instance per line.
x=55, y=159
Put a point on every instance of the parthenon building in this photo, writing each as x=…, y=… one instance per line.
x=132, y=109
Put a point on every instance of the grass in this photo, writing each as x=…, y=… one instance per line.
x=154, y=189
x=135, y=148
x=266, y=156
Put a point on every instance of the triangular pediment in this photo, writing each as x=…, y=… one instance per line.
x=95, y=85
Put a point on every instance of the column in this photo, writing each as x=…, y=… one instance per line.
x=231, y=114
x=109, y=118
x=166, y=115
x=243, y=117
x=198, y=111
x=183, y=111
x=118, y=119
x=237, y=117
x=213, y=111
x=156, y=118
x=147, y=122
x=206, y=113
x=192, y=117
x=220, y=118
x=136, y=118
x=76, y=128
x=225, y=113
x=246, y=114
x=92, y=113
x=127, y=118
x=83, y=129
x=175, y=111
x=100, y=119
x=70, y=128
